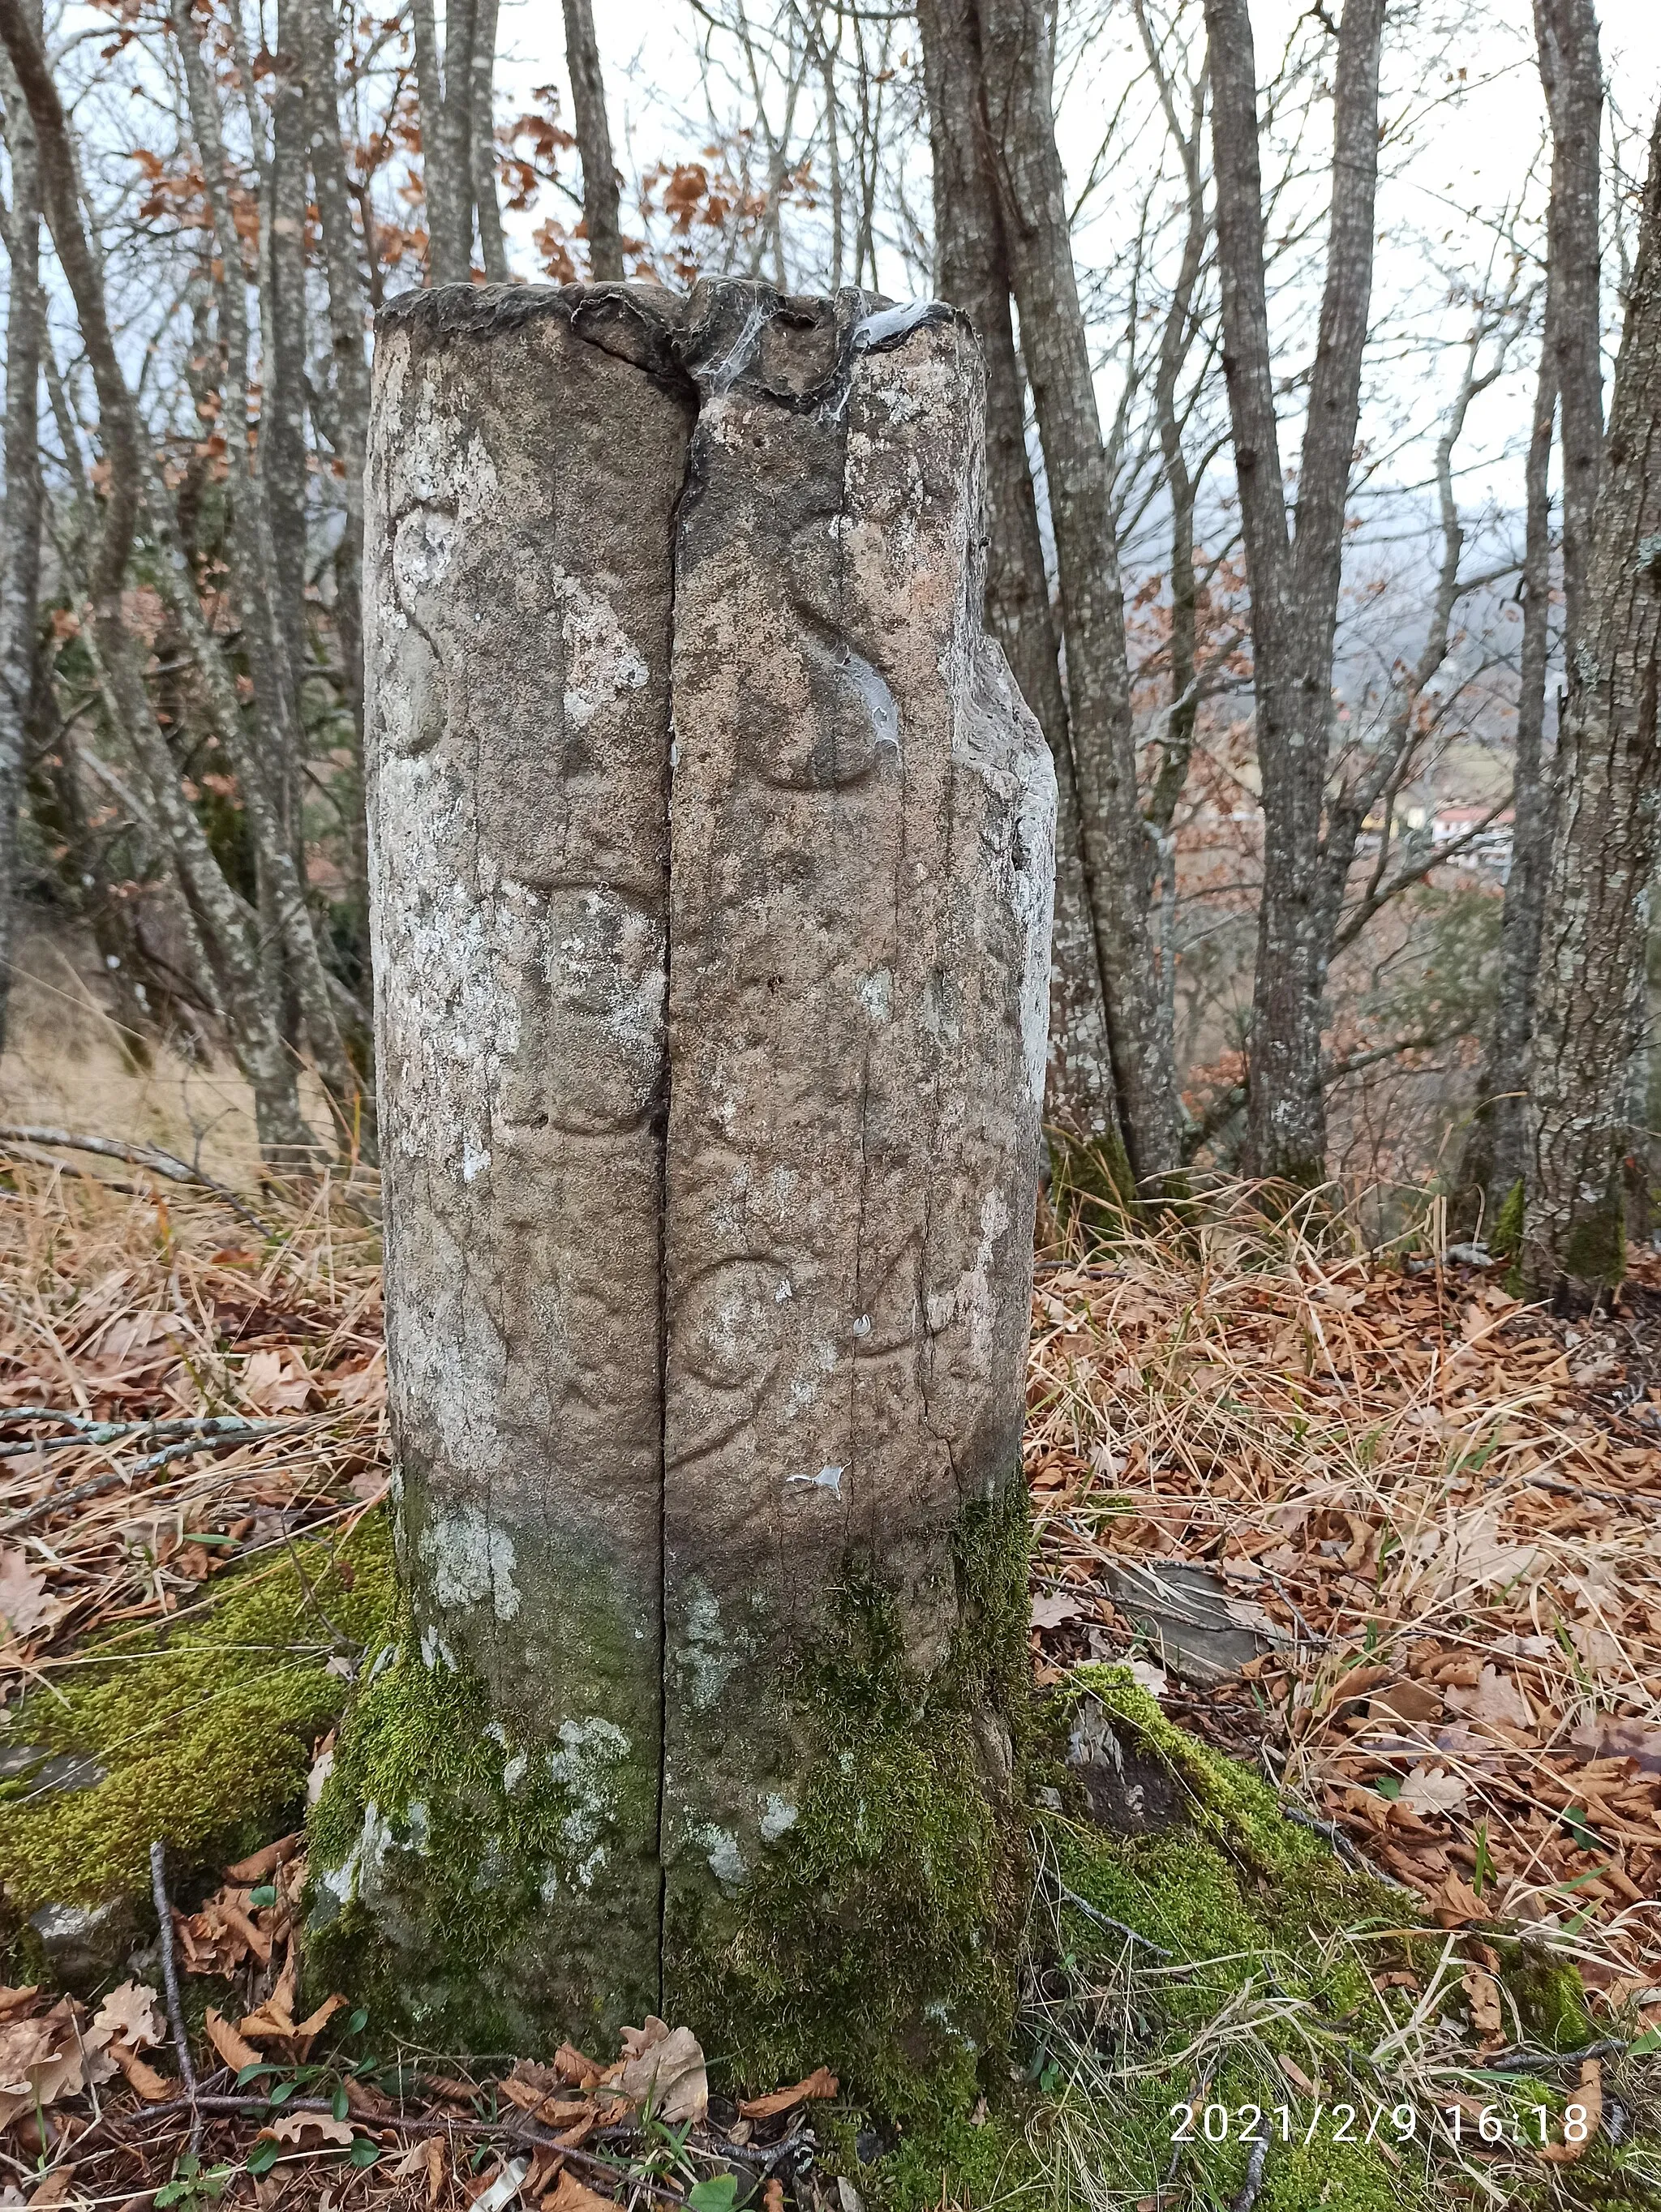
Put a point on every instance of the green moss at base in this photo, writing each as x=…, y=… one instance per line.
x=204, y=1727
x=880, y=1937
x=482, y=1891
x=1247, y=1908
x=1506, y=1242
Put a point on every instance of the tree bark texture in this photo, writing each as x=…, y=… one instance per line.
x=20, y=556
x=601, y=202
x=1496, y=1155
x=266, y=778
x=344, y=282
x=1591, y=998
x=282, y=458
x=973, y=274
x=712, y=864
x=449, y=231
x=1294, y=579
x=492, y=245
x=1016, y=37
x=1571, y=72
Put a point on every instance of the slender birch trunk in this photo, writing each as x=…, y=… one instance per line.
x=282, y=457
x=1496, y=1154
x=273, y=677
x=449, y=228
x=260, y=1053
x=1590, y=1011
x=1294, y=581
x=600, y=198
x=492, y=245
x=1571, y=71
x=348, y=320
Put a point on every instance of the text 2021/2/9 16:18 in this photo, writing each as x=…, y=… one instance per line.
x=1491, y=2124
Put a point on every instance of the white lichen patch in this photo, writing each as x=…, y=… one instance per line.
x=469, y=1559
x=359, y=1874
x=726, y=1860
x=706, y=1656
x=601, y=661
x=778, y=1814
x=585, y=1767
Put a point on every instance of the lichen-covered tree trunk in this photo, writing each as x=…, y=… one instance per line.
x=713, y=850
x=1592, y=1000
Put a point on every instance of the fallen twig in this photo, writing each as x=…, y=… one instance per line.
x=1254, y=2175
x=55, y=1501
x=1347, y=1848
x=170, y=1980
x=89, y=1433
x=519, y=2129
x=165, y=1164
x=1105, y=1920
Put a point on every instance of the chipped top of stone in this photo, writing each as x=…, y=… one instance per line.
x=727, y=333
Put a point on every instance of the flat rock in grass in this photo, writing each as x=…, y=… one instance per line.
x=1185, y=1614
x=44, y=1769
x=84, y=1944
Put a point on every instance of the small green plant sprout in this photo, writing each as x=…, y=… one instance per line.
x=193, y=2184
x=717, y=2192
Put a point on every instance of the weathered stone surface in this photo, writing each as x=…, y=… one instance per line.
x=861, y=873
x=712, y=867
x=523, y=481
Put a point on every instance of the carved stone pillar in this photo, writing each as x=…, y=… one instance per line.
x=712, y=864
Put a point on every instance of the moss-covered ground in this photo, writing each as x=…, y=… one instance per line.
x=203, y=1725
x=1254, y=1994
x=1227, y=1959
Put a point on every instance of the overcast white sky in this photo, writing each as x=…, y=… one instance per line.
x=1469, y=156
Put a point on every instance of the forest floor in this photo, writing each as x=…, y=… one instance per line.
x=1363, y=1521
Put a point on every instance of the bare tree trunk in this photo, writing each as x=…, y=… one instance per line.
x=347, y=316
x=1016, y=42
x=448, y=226
x=1496, y=1154
x=1591, y=995
x=260, y=1053
x=1571, y=376
x=600, y=199
x=456, y=129
x=1571, y=73
x=482, y=143
x=1175, y=339
x=1294, y=585
x=350, y=421
x=974, y=275
x=274, y=688
x=20, y=556
x=282, y=458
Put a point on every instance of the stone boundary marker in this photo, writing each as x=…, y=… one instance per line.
x=712, y=850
